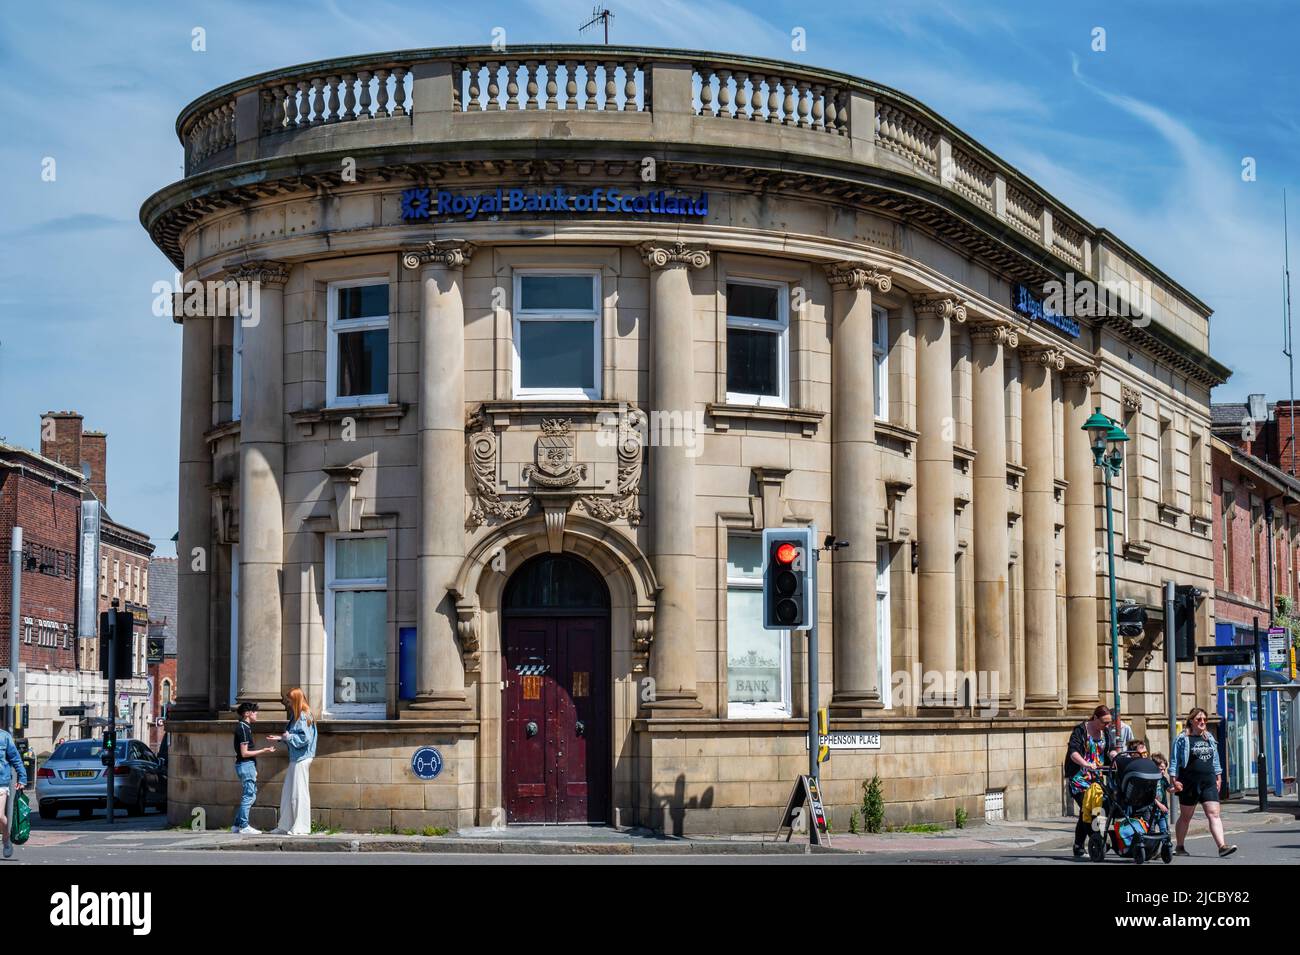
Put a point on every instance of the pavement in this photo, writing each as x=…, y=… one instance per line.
x=1045, y=840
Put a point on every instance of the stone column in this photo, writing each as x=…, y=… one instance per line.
x=991, y=500
x=853, y=488
x=672, y=474
x=1080, y=540
x=1040, y=530
x=195, y=559
x=261, y=484
x=440, y=685
x=936, y=510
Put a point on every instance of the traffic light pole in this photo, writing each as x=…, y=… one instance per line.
x=111, y=772
x=814, y=737
x=1171, y=689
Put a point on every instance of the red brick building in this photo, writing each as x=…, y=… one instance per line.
x=44, y=497
x=162, y=629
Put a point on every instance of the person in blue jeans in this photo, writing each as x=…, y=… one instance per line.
x=1163, y=788
x=246, y=767
x=9, y=756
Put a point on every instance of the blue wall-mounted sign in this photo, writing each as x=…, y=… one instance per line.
x=422, y=203
x=1031, y=306
x=427, y=762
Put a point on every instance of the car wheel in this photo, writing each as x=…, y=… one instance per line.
x=48, y=812
x=86, y=812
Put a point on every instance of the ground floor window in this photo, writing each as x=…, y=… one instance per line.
x=356, y=624
x=758, y=660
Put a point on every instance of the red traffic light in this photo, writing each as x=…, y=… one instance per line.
x=786, y=553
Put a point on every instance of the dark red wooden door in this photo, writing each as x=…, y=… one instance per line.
x=556, y=719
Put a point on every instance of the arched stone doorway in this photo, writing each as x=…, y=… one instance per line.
x=555, y=717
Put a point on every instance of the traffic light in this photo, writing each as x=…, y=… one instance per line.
x=110, y=743
x=115, y=644
x=1186, y=599
x=788, y=598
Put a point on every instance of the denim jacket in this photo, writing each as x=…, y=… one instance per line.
x=300, y=737
x=9, y=756
x=1182, y=750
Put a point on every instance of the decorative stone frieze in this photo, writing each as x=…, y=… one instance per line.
x=1130, y=398
x=261, y=271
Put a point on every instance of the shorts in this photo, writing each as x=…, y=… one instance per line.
x=1198, y=790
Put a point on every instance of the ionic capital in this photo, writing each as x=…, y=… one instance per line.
x=1047, y=357
x=994, y=333
x=449, y=253
x=677, y=254
x=940, y=306
x=262, y=271
x=856, y=276
x=1085, y=375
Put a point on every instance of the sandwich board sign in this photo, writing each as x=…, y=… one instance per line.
x=805, y=807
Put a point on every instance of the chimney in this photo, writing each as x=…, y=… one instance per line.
x=61, y=437
x=94, y=455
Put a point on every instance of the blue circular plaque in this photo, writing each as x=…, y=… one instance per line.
x=427, y=762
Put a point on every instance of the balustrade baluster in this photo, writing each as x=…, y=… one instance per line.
x=570, y=84
x=399, y=90
x=724, y=94
x=530, y=80
x=304, y=104
x=590, y=101
x=629, y=86
x=473, y=105
x=552, y=84
x=331, y=114
x=363, y=88
x=494, y=85
x=611, y=85
x=742, y=96
x=842, y=111
x=818, y=107
x=706, y=91
x=805, y=104
x=349, y=104
x=381, y=94
x=512, y=84
x=789, y=117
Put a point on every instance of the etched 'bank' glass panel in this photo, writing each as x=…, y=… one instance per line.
x=360, y=651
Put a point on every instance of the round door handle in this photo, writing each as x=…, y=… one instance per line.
x=581, y=727
x=530, y=728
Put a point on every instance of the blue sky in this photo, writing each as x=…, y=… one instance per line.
x=1146, y=138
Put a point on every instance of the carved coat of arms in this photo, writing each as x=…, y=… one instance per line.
x=554, y=457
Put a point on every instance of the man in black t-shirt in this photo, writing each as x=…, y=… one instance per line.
x=246, y=767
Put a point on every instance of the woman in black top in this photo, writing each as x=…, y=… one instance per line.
x=1083, y=759
x=1197, y=775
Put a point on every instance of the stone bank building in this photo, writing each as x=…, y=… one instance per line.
x=543, y=339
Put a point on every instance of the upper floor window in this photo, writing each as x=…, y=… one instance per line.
x=557, y=334
x=356, y=358
x=758, y=354
x=880, y=352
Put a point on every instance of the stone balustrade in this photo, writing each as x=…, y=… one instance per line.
x=423, y=98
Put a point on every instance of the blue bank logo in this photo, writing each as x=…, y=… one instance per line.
x=423, y=203
x=1031, y=306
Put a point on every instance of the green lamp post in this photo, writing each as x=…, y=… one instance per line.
x=1106, y=431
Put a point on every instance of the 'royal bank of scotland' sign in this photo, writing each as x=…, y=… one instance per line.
x=1031, y=306
x=422, y=203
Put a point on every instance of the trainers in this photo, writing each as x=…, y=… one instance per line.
x=9, y=849
x=250, y=831
x=1078, y=850
x=1180, y=851
x=1226, y=851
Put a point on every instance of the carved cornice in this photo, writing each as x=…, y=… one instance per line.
x=944, y=306
x=1130, y=398
x=856, y=276
x=679, y=253
x=994, y=333
x=1047, y=357
x=449, y=253
x=262, y=271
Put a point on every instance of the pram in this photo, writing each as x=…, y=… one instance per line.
x=1128, y=820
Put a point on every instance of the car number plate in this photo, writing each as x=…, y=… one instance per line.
x=79, y=773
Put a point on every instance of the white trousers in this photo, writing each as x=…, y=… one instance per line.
x=295, y=800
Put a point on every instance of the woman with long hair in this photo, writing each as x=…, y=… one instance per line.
x=300, y=738
x=1197, y=775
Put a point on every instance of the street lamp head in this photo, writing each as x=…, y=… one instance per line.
x=1097, y=425
x=1116, y=434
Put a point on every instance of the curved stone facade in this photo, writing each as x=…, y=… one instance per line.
x=800, y=309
